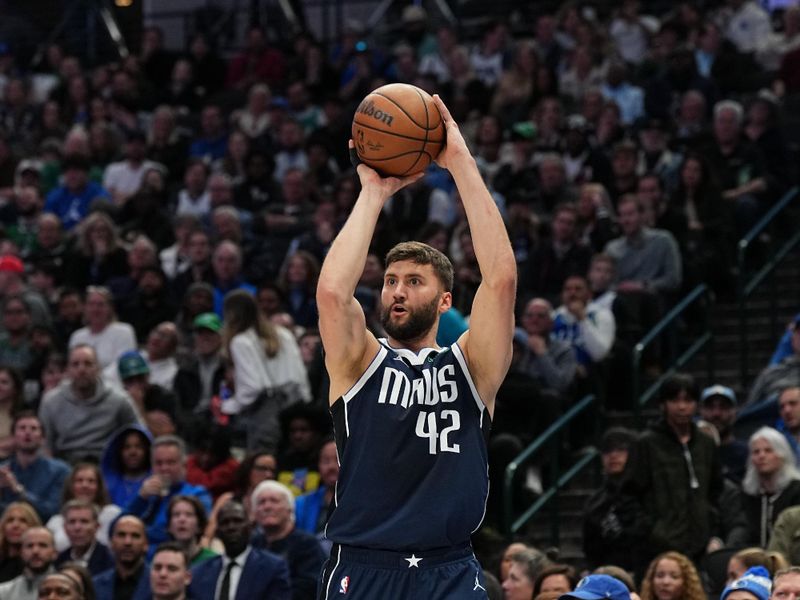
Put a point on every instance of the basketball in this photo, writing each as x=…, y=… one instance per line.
x=397, y=130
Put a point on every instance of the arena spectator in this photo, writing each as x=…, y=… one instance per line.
x=311, y=509
x=82, y=412
x=550, y=361
x=672, y=576
x=12, y=283
x=589, y=328
x=210, y=464
x=258, y=63
x=155, y=404
x=771, y=483
x=186, y=522
x=81, y=525
x=273, y=510
x=262, y=574
x=556, y=579
x=597, y=586
x=168, y=459
x=556, y=257
x=198, y=378
x=15, y=341
x=269, y=372
x=30, y=475
x=524, y=566
x=85, y=483
x=673, y=463
x=718, y=407
x=71, y=201
x=774, y=378
x=16, y=519
x=38, y=554
x=124, y=178
x=227, y=273
x=128, y=579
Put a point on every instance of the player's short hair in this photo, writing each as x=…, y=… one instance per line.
x=423, y=254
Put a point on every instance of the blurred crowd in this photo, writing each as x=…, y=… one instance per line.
x=163, y=217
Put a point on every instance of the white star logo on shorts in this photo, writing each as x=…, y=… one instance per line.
x=413, y=561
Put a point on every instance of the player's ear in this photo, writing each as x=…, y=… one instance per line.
x=445, y=302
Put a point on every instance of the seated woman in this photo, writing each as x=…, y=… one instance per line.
x=672, y=576
x=17, y=518
x=770, y=485
x=85, y=482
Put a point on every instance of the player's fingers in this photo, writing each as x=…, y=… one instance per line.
x=443, y=109
x=354, y=159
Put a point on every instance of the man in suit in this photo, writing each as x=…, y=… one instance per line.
x=244, y=572
x=128, y=579
x=169, y=573
x=81, y=524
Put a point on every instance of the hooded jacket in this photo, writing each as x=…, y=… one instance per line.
x=122, y=489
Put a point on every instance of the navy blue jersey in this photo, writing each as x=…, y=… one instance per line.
x=411, y=437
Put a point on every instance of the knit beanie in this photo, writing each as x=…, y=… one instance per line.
x=755, y=580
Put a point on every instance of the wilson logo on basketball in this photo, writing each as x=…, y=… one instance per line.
x=377, y=114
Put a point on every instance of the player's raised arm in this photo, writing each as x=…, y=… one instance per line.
x=487, y=343
x=349, y=347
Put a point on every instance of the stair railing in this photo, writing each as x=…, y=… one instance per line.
x=747, y=286
x=551, y=436
x=705, y=340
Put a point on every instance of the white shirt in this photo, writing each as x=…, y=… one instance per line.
x=749, y=27
x=122, y=178
x=236, y=574
x=116, y=339
x=107, y=515
x=162, y=372
x=255, y=372
x=198, y=207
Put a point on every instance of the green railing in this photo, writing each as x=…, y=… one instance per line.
x=552, y=436
x=705, y=339
x=748, y=286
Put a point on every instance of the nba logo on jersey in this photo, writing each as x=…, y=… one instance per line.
x=344, y=584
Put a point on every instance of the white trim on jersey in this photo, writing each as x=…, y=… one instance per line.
x=411, y=356
x=373, y=366
x=330, y=579
x=468, y=376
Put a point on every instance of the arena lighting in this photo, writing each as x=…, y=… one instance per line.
x=123, y=3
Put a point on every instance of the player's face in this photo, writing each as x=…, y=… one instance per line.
x=411, y=300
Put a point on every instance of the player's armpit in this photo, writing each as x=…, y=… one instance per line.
x=487, y=343
x=348, y=346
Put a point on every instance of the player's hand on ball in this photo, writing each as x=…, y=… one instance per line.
x=371, y=179
x=455, y=147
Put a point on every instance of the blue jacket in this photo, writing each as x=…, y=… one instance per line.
x=264, y=577
x=71, y=208
x=104, y=585
x=43, y=481
x=307, y=508
x=153, y=510
x=121, y=489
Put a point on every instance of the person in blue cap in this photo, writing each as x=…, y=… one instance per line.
x=598, y=587
x=755, y=584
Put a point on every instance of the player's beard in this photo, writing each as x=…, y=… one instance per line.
x=418, y=324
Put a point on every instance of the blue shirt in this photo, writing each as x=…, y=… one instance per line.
x=43, y=481
x=72, y=208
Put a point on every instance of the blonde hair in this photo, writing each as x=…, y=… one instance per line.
x=29, y=516
x=240, y=313
x=772, y=560
x=692, y=588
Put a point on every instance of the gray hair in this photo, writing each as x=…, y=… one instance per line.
x=788, y=471
x=731, y=105
x=169, y=440
x=269, y=485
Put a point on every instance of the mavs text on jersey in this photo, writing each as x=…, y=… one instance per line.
x=411, y=436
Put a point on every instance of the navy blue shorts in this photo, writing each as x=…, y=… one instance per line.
x=365, y=574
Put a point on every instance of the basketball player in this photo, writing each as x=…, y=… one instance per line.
x=410, y=418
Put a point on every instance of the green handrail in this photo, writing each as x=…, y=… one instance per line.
x=704, y=340
x=560, y=479
x=746, y=286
